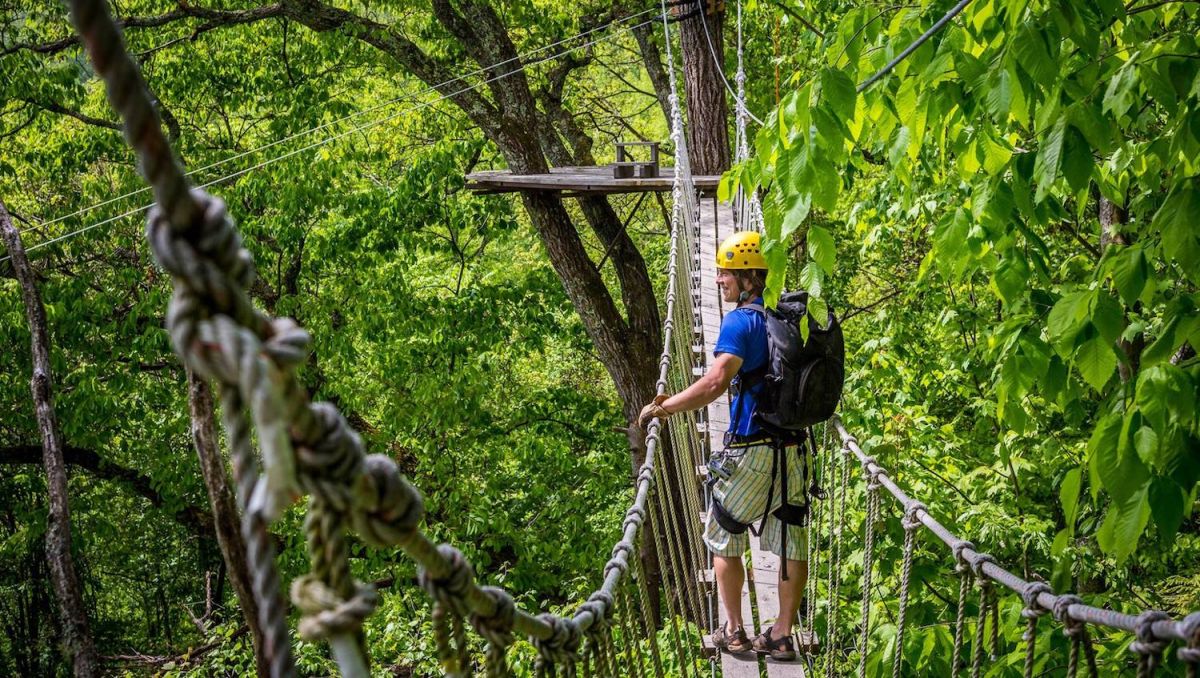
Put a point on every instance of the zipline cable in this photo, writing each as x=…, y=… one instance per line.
x=351, y=116
x=353, y=130
x=721, y=72
x=939, y=25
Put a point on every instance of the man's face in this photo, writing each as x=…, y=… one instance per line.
x=728, y=283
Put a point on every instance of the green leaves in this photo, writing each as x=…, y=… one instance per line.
x=1178, y=222
x=1045, y=168
x=821, y=248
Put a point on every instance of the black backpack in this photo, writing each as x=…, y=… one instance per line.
x=802, y=380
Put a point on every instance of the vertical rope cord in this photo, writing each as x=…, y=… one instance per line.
x=911, y=525
x=836, y=576
x=260, y=549
x=633, y=664
x=649, y=620
x=677, y=593
x=810, y=586
x=868, y=566
x=963, y=568
x=749, y=210
x=985, y=592
x=672, y=611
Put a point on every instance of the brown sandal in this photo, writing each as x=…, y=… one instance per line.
x=779, y=649
x=734, y=643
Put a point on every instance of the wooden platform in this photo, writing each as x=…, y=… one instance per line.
x=580, y=180
x=760, y=596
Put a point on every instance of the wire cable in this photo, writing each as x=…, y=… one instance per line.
x=887, y=68
x=340, y=135
x=351, y=116
x=721, y=72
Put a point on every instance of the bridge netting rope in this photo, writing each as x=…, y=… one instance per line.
x=309, y=448
x=650, y=592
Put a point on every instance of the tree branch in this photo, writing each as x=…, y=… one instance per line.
x=81, y=117
x=798, y=17
x=196, y=520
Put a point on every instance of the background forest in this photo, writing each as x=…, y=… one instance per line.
x=1009, y=225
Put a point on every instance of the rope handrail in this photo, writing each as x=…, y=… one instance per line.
x=1150, y=626
x=309, y=446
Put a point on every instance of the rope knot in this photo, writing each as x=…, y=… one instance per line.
x=1072, y=627
x=387, y=507
x=1029, y=595
x=646, y=475
x=497, y=627
x=911, y=520
x=1147, y=643
x=635, y=515
x=328, y=614
x=326, y=446
x=449, y=591
x=1190, y=630
x=598, y=605
x=619, y=559
x=289, y=343
x=961, y=565
x=977, y=568
x=563, y=644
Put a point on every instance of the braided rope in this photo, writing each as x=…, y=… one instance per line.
x=963, y=568
x=1156, y=631
x=868, y=567
x=1149, y=648
x=1032, y=611
x=910, y=523
x=985, y=595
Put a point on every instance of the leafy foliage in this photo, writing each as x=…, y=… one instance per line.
x=1015, y=222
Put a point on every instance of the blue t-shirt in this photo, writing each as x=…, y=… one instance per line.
x=744, y=334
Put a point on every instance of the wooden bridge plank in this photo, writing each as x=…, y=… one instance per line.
x=590, y=179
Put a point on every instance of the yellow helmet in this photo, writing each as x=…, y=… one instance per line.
x=741, y=250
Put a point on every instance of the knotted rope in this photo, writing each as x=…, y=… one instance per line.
x=868, y=562
x=1076, y=631
x=910, y=523
x=560, y=649
x=1148, y=647
x=963, y=568
x=1032, y=611
x=986, y=594
x=1190, y=654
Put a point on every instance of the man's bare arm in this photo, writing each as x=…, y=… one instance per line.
x=708, y=387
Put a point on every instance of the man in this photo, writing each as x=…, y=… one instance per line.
x=741, y=350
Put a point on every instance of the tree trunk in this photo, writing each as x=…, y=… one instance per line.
x=708, y=114
x=76, y=634
x=226, y=522
x=1111, y=218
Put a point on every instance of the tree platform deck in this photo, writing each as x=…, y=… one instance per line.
x=760, y=595
x=580, y=181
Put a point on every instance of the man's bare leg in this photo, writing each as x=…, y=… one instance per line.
x=790, y=593
x=731, y=575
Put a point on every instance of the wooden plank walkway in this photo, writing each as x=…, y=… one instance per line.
x=579, y=180
x=717, y=223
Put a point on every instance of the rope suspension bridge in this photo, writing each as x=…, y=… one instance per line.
x=628, y=626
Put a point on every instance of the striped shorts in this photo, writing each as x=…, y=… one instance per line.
x=744, y=496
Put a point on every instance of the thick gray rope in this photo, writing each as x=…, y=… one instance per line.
x=1154, y=629
x=1032, y=612
x=304, y=446
x=868, y=569
x=963, y=568
x=910, y=537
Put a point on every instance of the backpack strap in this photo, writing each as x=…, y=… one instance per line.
x=745, y=381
